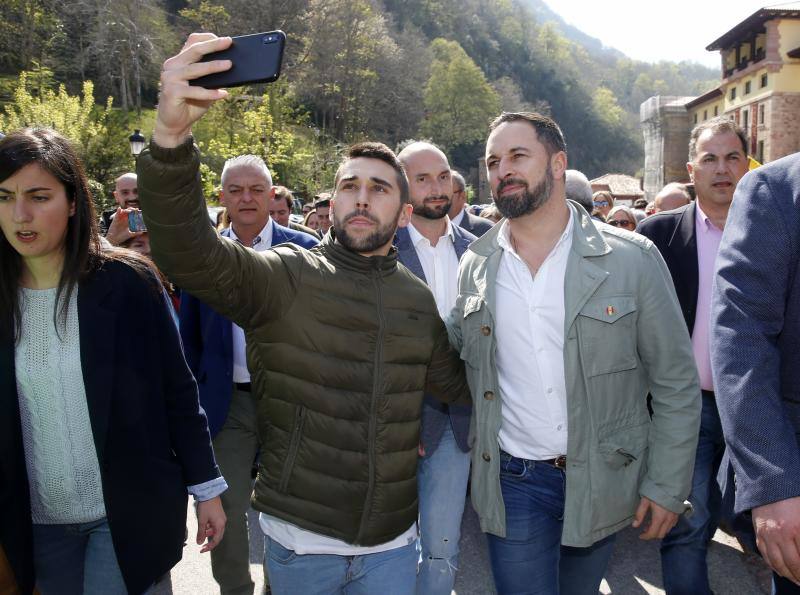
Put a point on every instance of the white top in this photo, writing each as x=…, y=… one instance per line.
x=60, y=455
x=530, y=350
x=456, y=220
x=440, y=265
x=304, y=542
x=263, y=241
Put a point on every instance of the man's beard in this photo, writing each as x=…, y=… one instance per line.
x=429, y=212
x=378, y=238
x=526, y=202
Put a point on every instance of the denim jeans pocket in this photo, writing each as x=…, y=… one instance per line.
x=278, y=553
x=512, y=467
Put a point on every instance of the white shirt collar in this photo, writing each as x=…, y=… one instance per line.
x=460, y=217
x=262, y=240
x=504, y=236
x=417, y=237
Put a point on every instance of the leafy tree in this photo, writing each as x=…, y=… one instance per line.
x=459, y=101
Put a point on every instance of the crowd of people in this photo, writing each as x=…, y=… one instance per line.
x=577, y=366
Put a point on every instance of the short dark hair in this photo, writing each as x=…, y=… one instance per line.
x=286, y=194
x=547, y=131
x=716, y=125
x=379, y=151
x=458, y=179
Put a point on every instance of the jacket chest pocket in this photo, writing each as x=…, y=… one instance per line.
x=476, y=330
x=607, y=334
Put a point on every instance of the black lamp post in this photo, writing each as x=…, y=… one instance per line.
x=137, y=141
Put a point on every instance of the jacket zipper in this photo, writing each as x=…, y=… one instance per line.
x=294, y=445
x=377, y=373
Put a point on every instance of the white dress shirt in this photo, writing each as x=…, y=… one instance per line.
x=440, y=265
x=530, y=350
x=456, y=220
x=263, y=241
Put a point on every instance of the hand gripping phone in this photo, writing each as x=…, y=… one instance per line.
x=255, y=58
x=135, y=221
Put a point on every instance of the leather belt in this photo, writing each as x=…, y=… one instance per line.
x=242, y=386
x=560, y=462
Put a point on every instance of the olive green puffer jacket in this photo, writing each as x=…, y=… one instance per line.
x=340, y=347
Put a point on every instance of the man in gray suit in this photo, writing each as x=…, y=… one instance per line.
x=755, y=356
x=431, y=247
x=477, y=226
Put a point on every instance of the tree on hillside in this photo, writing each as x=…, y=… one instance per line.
x=340, y=76
x=459, y=102
x=27, y=27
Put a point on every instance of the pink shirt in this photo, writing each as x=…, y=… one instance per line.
x=708, y=238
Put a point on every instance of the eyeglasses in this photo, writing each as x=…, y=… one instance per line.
x=600, y=203
x=618, y=223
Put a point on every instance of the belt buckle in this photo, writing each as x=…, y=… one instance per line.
x=560, y=462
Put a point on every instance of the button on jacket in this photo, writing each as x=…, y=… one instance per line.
x=624, y=336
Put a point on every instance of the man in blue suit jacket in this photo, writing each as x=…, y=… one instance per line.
x=755, y=353
x=431, y=248
x=215, y=351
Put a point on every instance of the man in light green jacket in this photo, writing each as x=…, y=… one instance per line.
x=565, y=325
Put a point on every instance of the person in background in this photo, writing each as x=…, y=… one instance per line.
x=98, y=448
x=430, y=246
x=311, y=220
x=755, y=359
x=491, y=213
x=670, y=197
x=603, y=202
x=688, y=238
x=280, y=207
x=126, y=195
x=623, y=217
x=579, y=189
x=459, y=214
x=322, y=205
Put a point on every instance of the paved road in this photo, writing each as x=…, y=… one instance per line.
x=634, y=570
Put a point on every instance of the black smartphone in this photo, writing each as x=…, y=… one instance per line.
x=135, y=222
x=255, y=58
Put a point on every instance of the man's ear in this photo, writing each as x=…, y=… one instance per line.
x=271, y=192
x=690, y=169
x=558, y=164
x=405, y=215
x=222, y=199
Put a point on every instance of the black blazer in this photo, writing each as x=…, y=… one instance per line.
x=150, y=433
x=673, y=233
x=475, y=225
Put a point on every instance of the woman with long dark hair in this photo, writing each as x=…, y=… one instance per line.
x=100, y=428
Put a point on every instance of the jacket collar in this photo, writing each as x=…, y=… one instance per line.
x=684, y=236
x=353, y=261
x=586, y=239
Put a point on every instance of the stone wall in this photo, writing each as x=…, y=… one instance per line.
x=783, y=136
x=666, y=127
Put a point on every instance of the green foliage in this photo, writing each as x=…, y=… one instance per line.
x=606, y=107
x=75, y=117
x=459, y=101
x=99, y=134
x=206, y=16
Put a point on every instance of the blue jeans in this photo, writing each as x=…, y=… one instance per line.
x=530, y=558
x=76, y=559
x=442, y=485
x=392, y=572
x=684, y=548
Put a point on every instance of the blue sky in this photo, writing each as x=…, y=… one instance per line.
x=666, y=30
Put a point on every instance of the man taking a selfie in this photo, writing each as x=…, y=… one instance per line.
x=341, y=344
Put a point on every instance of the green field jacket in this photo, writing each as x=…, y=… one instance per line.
x=624, y=336
x=340, y=348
